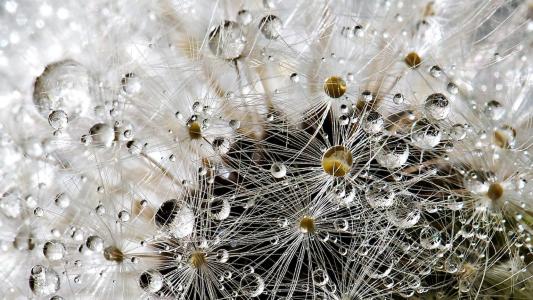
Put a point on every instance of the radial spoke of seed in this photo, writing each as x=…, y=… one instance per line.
x=161, y=168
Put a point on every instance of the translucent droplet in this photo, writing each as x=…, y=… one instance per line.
x=252, y=285
x=38, y=212
x=379, y=196
x=425, y=135
x=227, y=41
x=271, y=27
x=102, y=134
x=151, y=281
x=320, y=277
x=494, y=110
x=452, y=88
x=344, y=120
x=345, y=193
x=221, y=145
x=437, y=106
x=124, y=216
x=177, y=217
x=367, y=96
x=295, y=77
x=219, y=208
x=278, y=170
x=11, y=204
x=430, y=238
x=100, y=210
x=381, y=268
x=44, y=281
x=458, y=132
x=222, y=255
x=393, y=153
x=244, y=17
x=505, y=137
x=235, y=124
x=54, y=250
x=435, y=71
x=95, y=243
x=135, y=147
x=398, y=99
x=404, y=213
x=373, y=123
x=62, y=200
x=477, y=181
x=131, y=84
x=58, y=119
x=66, y=86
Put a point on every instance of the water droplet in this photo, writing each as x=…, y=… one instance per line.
x=221, y=145
x=234, y=124
x=404, y=213
x=54, y=250
x=123, y=216
x=44, y=281
x=131, y=84
x=271, y=27
x=58, y=119
x=393, y=153
x=398, y=99
x=227, y=41
x=62, y=200
x=379, y=196
x=244, y=17
x=320, y=277
x=278, y=170
x=222, y=255
x=95, y=243
x=430, y=238
x=437, y=106
x=219, y=208
x=435, y=71
x=494, y=110
x=151, y=281
x=102, y=135
x=425, y=135
x=176, y=216
x=252, y=285
x=295, y=77
x=66, y=86
x=373, y=122
x=458, y=132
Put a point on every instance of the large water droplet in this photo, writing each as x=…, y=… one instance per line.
x=430, y=238
x=252, y=285
x=66, y=86
x=393, y=153
x=176, y=216
x=404, y=213
x=437, y=106
x=425, y=135
x=271, y=27
x=227, y=41
x=44, y=281
x=151, y=281
x=54, y=250
x=320, y=277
